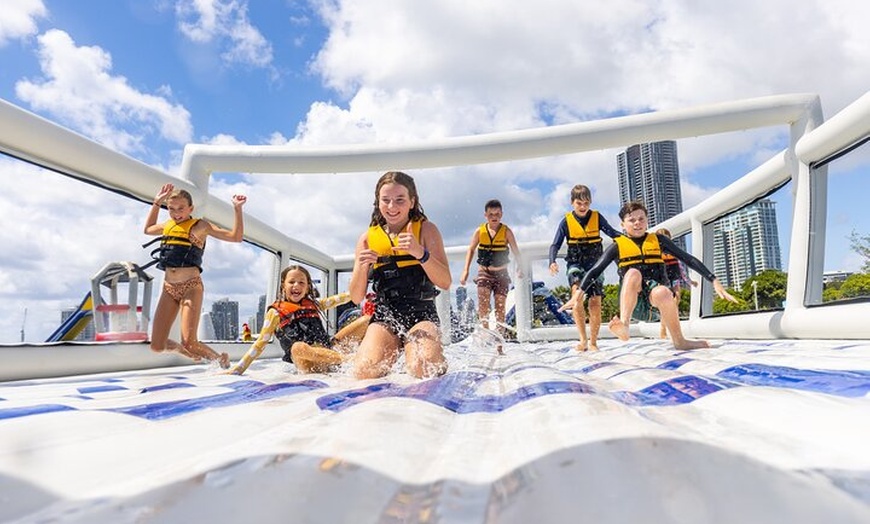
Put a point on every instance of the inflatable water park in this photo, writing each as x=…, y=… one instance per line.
x=770, y=424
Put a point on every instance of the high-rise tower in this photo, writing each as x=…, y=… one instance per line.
x=651, y=173
x=225, y=318
x=746, y=243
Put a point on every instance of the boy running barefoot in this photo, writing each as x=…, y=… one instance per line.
x=643, y=275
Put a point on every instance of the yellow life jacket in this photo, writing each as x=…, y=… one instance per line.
x=176, y=248
x=398, y=277
x=670, y=259
x=381, y=243
x=630, y=254
x=492, y=250
x=577, y=234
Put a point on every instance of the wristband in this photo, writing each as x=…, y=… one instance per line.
x=425, y=256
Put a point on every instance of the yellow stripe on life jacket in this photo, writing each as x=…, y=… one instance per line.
x=670, y=259
x=381, y=243
x=577, y=234
x=178, y=233
x=650, y=252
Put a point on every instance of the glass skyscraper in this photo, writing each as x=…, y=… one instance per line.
x=746, y=243
x=651, y=173
x=225, y=319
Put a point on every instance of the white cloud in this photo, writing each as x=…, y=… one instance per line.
x=412, y=71
x=19, y=19
x=227, y=24
x=80, y=91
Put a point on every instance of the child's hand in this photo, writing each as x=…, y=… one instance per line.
x=408, y=243
x=239, y=200
x=554, y=269
x=367, y=257
x=720, y=290
x=163, y=193
x=576, y=298
x=463, y=278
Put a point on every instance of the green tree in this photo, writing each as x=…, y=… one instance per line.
x=856, y=285
x=609, y=302
x=861, y=245
x=771, y=289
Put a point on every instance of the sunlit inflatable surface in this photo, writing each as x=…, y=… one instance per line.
x=637, y=432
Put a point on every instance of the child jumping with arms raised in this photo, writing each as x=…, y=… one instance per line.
x=180, y=256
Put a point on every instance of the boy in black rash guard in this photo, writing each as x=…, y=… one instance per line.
x=582, y=227
x=643, y=276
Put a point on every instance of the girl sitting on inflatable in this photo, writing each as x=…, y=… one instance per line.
x=297, y=320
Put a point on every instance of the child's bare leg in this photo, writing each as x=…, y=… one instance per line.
x=424, y=356
x=594, y=321
x=500, y=300
x=204, y=351
x=376, y=354
x=164, y=317
x=353, y=332
x=664, y=332
x=310, y=358
x=579, y=314
x=191, y=305
x=483, y=293
x=180, y=348
x=661, y=297
x=631, y=284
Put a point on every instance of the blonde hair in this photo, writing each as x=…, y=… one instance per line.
x=181, y=193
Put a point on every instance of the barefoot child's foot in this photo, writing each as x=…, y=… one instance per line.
x=582, y=345
x=224, y=361
x=687, y=344
x=593, y=346
x=619, y=329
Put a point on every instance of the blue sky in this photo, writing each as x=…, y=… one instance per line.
x=146, y=77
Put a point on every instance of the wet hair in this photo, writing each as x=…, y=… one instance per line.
x=630, y=207
x=403, y=179
x=312, y=291
x=663, y=231
x=492, y=204
x=581, y=192
x=181, y=193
